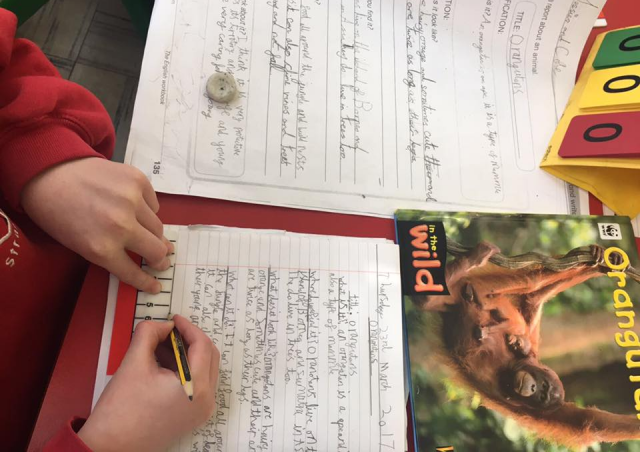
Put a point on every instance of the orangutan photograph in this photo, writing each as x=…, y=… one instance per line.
x=521, y=331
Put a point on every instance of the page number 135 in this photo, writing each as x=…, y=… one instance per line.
x=156, y=167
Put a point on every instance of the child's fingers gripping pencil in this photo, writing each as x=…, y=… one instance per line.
x=181, y=360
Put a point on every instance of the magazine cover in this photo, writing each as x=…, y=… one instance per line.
x=521, y=331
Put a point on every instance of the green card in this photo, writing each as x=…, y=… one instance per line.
x=619, y=48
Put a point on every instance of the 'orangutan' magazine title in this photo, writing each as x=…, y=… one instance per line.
x=624, y=311
x=521, y=331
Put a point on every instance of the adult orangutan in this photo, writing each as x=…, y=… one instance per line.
x=491, y=333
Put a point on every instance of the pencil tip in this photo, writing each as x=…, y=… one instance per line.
x=191, y=397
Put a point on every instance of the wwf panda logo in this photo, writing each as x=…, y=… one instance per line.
x=610, y=231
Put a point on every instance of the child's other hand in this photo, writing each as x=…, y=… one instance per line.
x=144, y=407
x=100, y=209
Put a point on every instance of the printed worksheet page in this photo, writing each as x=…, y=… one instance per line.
x=361, y=106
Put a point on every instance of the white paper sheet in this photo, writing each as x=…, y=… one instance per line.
x=360, y=105
x=310, y=334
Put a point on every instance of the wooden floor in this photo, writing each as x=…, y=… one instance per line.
x=93, y=43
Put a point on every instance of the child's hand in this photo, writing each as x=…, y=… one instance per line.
x=101, y=209
x=144, y=408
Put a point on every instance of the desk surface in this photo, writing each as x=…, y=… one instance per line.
x=71, y=387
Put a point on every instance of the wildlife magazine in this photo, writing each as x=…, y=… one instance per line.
x=521, y=331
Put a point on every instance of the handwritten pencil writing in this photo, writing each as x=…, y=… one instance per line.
x=309, y=332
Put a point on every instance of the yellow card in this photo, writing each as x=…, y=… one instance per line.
x=618, y=87
x=615, y=181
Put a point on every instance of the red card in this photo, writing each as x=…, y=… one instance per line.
x=603, y=135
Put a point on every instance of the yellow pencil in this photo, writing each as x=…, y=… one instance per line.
x=181, y=359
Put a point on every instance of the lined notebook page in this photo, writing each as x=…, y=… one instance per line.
x=310, y=334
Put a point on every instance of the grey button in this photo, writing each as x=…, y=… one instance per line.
x=222, y=87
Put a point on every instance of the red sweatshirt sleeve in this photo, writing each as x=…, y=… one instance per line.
x=67, y=440
x=44, y=119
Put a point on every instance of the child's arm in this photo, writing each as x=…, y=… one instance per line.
x=144, y=407
x=54, y=137
x=44, y=119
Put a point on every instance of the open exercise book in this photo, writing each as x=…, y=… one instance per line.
x=310, y=334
